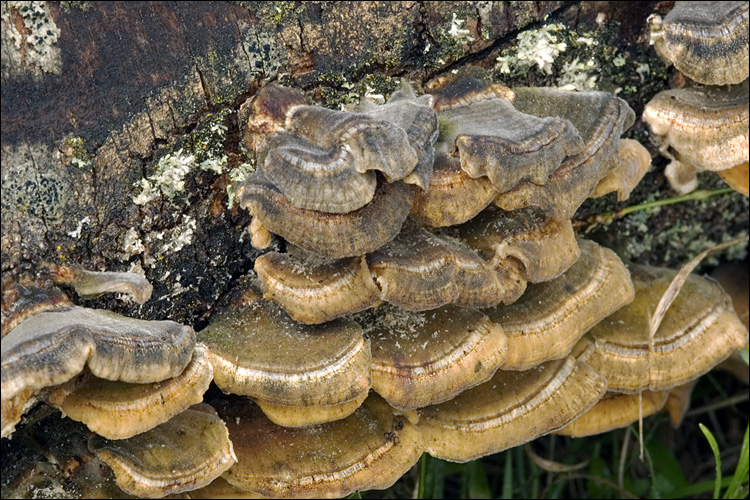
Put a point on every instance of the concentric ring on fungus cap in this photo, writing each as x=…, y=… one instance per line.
x=510, y=409
x=699, y=330
x=369, y=449
x=257, y=350
x=185, y=453
x=600, y=119
x=52, y=347
x=418, y=119
x=706, y=126
x=524, y=240
x=119, y=410
x=494, y=139
x=550, y=317
x=706, y=41
x=426, y=358
x=313, y=292
x=419, y=270
x=326, y=160
x=330, y=235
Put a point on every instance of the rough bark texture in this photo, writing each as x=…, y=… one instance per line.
x=97, y=97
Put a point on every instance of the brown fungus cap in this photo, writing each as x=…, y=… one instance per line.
x=600, y=118
x=453, y=197
x=330, y=235
x=426, y=358
x=550, y=317
x=419, y=270
x=185, y=453
x=266, y=113
x=707, y=41
x=91, y=284
x=493, y=139
x=511, y=408
x=314, y=292
x=699, y=331
x=706, y=126
x=259, y=351
x=313, y=178
x=369, y=449
x=119, y=410
x=738, y=178
x=634, y=163
x=523, y=242
x=52, y=347
x=297, y=416
x=418, y=119
x=614, y=411
x=375, y=144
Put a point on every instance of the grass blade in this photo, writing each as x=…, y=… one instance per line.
x=508, y=476
x=736, y=488
x=715, y=448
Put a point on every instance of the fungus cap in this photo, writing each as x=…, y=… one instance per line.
x=369, y=449
x=452, y=197
x=706, y=126
x=52, y=347
x=419, y=270
x=313, y=292
x=510, y=409
x=259, y=351
x=600, y=119
x=615, y=410
x=119, y=410
x=550, y=317
x=493, y=139
x=330, y=235
x=634, y=163
x=707, y=41
x=699, y=330
x=185, y=453
x=419, y=359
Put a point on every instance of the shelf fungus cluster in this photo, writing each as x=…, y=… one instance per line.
x=431, y=296
x=704, y=125
x=133, y=383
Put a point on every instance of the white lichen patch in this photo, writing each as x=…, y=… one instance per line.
x=458, y=32
x=179, y=237
x=534, y=48
x=577, y=75
x=169, y=178
x=237, y=175
x=132, y=243
x=643, y=70
x=77, y=232
x=29, y=40
x=619, y=61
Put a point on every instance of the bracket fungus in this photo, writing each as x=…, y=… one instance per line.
x=51, y=341
x=429, y=294
x=370, y=448
x=52, y=347
x=703, y=127
x=91, y=284
x=185, y=453
x=699, y=331
x=310, y=371
x=707, y=41
x=119, y=410
x=706, y=127
x=510, y=409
